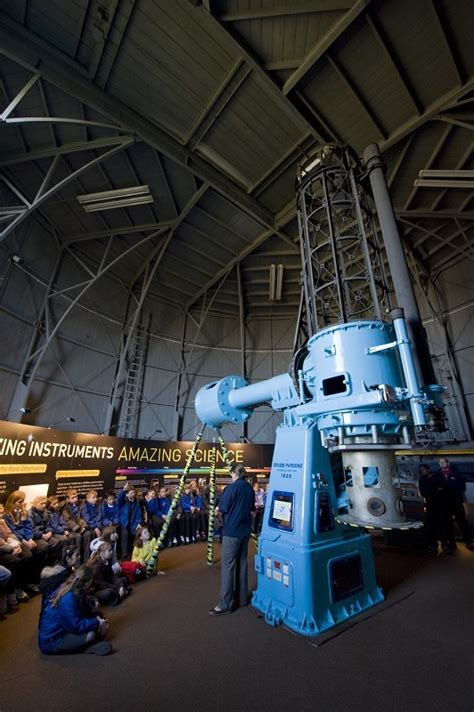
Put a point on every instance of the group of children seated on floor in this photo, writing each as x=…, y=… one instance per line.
x=51, y=534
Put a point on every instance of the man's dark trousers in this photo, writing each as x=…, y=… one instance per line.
x=234, y=578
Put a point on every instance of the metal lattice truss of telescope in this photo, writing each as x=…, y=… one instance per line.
x=343, y=274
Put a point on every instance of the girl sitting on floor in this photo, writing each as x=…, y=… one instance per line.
x=52, y=577
x=108, y=588
x=143, y=546
x=66, y=625
x=109, y=536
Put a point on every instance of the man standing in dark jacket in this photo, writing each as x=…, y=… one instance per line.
x=455, y=487
x=236, y=505
x=433, y=490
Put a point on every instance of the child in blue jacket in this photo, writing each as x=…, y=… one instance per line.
x=17, y=520
x=91, y=514
x=58, y=524
x=186, y=520
x=198, y=512
x=110, y=510
x=42, y=532
x=164, y=504
x=152, y=513
x=130, y=517
x=66, y=624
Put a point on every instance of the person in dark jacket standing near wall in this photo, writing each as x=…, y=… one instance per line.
x=130, y=517
x=437, y=521
x=236, y=505
x=455, y=486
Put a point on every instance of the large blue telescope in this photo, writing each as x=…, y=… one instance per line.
x=353, y=388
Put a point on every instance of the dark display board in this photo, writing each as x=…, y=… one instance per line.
x=47, y=461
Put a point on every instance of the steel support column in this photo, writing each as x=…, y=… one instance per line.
x=243, y=369
x=428, y=288
x=397, y=262
x=179, y=373
x=22, y=388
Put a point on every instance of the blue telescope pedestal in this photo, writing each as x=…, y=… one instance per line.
x=312, y=572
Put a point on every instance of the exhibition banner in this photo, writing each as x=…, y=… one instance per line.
x=46, y=461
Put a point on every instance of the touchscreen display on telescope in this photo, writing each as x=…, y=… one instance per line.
x=281, y=512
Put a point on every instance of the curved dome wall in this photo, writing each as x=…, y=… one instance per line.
x=75, y=376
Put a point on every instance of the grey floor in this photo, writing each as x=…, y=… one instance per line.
x=413, y=653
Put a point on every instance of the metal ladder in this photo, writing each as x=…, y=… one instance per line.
x=134, y=382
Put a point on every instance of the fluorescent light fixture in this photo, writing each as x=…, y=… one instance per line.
x=279, y=283
x=111, y=199
x=430, y=178
x=444, y=184
x=446, y=174
x=111, y=204
x=271, y=291
x=276, y=283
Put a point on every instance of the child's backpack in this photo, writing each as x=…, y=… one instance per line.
x=133, y=571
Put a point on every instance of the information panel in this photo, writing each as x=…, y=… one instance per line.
x=32, y=457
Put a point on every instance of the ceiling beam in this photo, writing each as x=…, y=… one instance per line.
x=279, y=65
x=38, y=56
x=447, y=40
x=15, y=158
x=269, y=83
x=217, y=103
x=430, y=113
x=442, y=241
x=325, y=43
x=399, y=161
x=300, y=151
x=455, y=122
x=433, y=214
x=285, y=11
x=108, y=58
x=44, y=195
x=21, y=94
x=331, y=133
x=115, y=232
x=357, y=95
x=385, y=45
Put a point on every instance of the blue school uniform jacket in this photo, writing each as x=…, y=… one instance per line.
x=23, y=530
x=56, y=522
x=153, y=507
x=186, y=502
x=110, y=514
x=91, y=514
x=130, y=514
x=197, y=501
x=67, y=617
x=39, y=522
x=164, y=504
